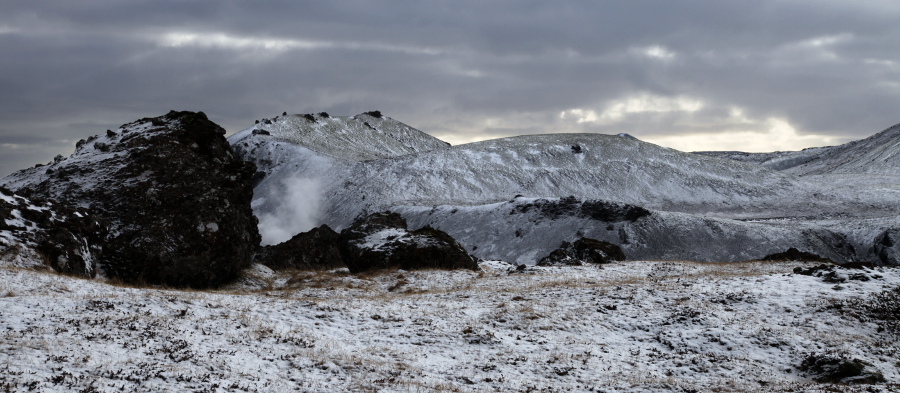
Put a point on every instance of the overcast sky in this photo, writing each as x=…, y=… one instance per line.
x=693, y=75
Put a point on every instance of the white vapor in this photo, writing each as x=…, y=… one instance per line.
x=299, y=210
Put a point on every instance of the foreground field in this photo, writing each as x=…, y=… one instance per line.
x=633, y=326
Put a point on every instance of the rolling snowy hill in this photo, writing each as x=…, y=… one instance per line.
x=704, y=208
x=878, y=154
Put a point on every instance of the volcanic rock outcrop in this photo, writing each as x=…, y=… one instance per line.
x=382, y=241
x=584, y=250
x=887, y=247
x=65, y=239
x=175, y=197
x=311, y=250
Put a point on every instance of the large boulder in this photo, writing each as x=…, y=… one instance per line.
x=382, y=241
x=311, y=250
x=887, y=247
x=40, y=234
x=174, y=195
x=583, y=250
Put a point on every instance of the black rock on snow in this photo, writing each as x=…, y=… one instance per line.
x=45, y=234
x=175, y=197
x=594, y=209
x=793, y=254
x=382, y=241
x=887, y=247
x=581, y=251
x=311, y=250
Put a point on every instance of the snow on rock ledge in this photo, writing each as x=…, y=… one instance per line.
x=382, y=241
x=176, y=199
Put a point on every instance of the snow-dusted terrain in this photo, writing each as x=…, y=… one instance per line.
x=631, y=326
x=878, y=154
x=735, y=210
x=683, y=314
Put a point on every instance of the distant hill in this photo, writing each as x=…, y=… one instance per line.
x=878, y=154
x=330, y=170
x=366, y=136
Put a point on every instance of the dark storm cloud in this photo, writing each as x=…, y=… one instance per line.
x=459, y=70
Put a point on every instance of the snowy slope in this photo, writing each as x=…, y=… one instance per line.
x=626, y=327
x=349, y=138
x=878, y=154
x=512, y=232
x=707, y=198
x=589, y=166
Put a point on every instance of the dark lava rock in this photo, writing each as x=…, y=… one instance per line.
x=813, y=271
x=887, y=247
x=382, y=241
x=594, y=209
x=375, y=114
x=792, y=254
x=174, y=195
x=832, y=369
x=311, y=250
x=66, y=240
x=584, y=250
x=261, y=132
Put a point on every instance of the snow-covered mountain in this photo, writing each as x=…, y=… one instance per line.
x=695, y=198
x=878, y=154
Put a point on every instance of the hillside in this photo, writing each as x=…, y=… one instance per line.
x=878, y=154
x=366, y=136
x=590, y=166
x=740, y=210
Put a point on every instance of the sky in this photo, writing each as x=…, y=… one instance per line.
x=756, y=75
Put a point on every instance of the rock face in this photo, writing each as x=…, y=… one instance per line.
x=887, y=247
x=174, y=195
x=793, y=254
x=382, y=241
x=311, y=250
x=594, y=209
x=40, y=234
x=583, y=250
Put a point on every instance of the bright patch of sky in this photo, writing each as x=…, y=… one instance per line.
x=773, y=134
x=617, y=110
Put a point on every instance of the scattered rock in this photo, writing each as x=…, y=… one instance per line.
x=382, y=241
x=584, y=250
x=174, y=195
x=837, y=369
x=375, y=114
x=314, y=249
x=261, y=132
x=792, y=254
x=887, y=247
x=815, y=270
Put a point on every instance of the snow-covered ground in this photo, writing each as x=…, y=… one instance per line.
x=630, y=326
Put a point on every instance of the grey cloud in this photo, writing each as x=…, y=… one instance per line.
x=74, y=69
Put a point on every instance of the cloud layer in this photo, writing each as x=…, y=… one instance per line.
x=694, y=75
